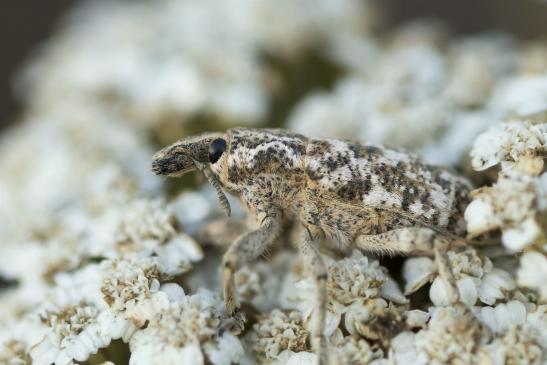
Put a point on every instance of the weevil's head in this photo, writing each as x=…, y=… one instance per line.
x=194, y=153
x=189, y=154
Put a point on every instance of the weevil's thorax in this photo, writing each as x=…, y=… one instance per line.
x=265, y=162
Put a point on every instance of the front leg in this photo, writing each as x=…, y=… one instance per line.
x=247, y=248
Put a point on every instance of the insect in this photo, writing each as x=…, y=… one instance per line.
x=353, y=195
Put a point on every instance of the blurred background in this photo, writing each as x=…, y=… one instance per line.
x=26, y=23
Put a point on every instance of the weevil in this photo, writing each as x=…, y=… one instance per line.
x=350, y=194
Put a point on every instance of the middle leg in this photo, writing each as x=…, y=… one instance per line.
x=314, y=263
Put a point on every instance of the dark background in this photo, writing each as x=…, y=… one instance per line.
x=25, y=23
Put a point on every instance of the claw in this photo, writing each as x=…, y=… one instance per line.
x=233, y=322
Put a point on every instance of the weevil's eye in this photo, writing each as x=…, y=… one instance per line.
x=216, y=149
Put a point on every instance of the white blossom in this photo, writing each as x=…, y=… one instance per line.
x=451, y=337
x=279, y=332
x=187, y=331
x=75, y=332
x=132, y=288
x=513, y=141
x=533, y=272
x=511, y=204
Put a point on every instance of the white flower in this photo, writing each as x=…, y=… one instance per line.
x=417, y=271
x=513, y=347
x=301, y=296
x=141, y=228
x=403, y=350
x=533, y=272
x=144, y=221
x=261, y=283
x=20, y=326
x=503, y=316
x=354, y=279
x=225, y=351
x=475, y=277
x=131, y=288
x=520, y=338
x=537, y=321
x=513, y=141
x=494, y=285
x=351, y=281
x=75, y=333
x=187, y=331
x=512, y=205
x=288, y=357
x=278, y=332
x=417, y=318
x=80, y=285
x=146, y=354
x=452, y=336
x=353, y=350
x=391, y=291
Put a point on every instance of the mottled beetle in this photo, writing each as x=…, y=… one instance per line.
x=351, y=194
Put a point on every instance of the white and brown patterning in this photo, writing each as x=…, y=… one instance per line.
x=358, y=195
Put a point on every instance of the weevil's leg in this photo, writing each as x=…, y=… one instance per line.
x=416, y=241
x=445, y=271
x=314, y=263
x=246, y=248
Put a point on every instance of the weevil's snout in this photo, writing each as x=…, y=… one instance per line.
x=194, y=153
x=188, y=154
x=172, y=162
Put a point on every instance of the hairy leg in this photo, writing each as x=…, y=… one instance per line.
x=315, y=265
x=414, y=241
x=245, y=249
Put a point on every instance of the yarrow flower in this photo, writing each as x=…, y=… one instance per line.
x=188, y=330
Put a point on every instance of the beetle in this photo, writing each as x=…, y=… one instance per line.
x=351, y=194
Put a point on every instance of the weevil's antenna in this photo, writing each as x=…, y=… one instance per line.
x=214, y=182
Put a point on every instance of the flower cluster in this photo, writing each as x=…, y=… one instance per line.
x=100, y=260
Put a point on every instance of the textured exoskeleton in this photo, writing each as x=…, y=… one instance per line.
x=347, y=193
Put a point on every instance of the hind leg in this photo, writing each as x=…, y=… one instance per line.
x=414, y=241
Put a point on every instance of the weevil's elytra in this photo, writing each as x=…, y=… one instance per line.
x=370, y=197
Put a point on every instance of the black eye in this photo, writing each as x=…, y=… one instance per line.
x=216, y=149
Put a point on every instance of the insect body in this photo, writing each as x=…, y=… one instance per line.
x=351, y=194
